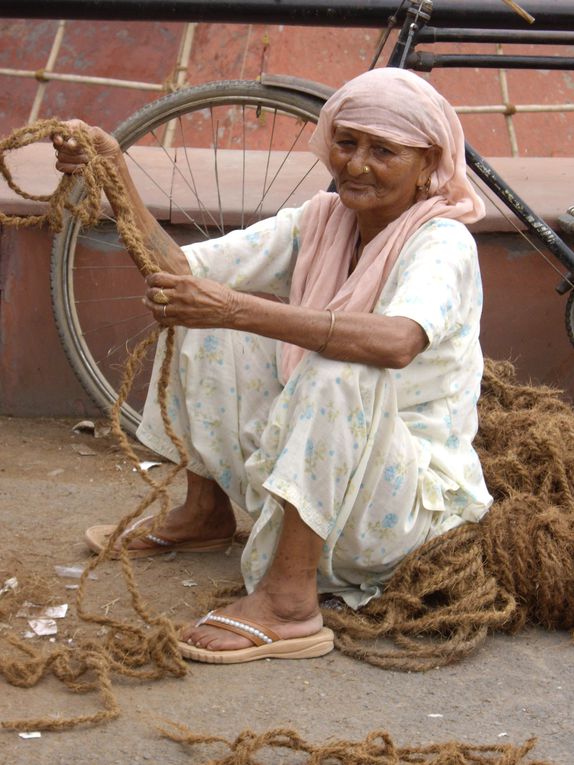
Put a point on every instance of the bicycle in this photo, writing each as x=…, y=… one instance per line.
x=247, y=161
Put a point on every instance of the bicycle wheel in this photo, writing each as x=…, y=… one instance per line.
x=570, y=316
x=206, y=160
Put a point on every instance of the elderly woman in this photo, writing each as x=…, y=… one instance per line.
x=342, y=419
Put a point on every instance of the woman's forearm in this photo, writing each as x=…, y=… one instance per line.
x=165, y=252
x=381, y=341
x=196, y=303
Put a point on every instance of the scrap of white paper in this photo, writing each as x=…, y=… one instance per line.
x=55, y=612
x=147, y=465
x=30, y=734
x=83, y=425
x=72, y=572
x=9, y=584
x=41, y=612
x=43, y=626
x=98, y=428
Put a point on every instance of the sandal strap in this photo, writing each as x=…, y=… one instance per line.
x=157, y=540
x=149, y=537
x=245, y=628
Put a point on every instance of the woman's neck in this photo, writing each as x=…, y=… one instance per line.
x=369, y=227
x=357, y=251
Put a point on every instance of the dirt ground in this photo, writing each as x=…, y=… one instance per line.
x=55, y=482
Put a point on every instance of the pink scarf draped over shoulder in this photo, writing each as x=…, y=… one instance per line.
x=402, y=107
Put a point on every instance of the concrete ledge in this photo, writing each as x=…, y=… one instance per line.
x=544, y=183
x=523, y=317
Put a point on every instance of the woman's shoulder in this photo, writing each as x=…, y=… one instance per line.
x=445, y=227
x=440, y=232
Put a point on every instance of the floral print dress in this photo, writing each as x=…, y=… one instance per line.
x=375, y=461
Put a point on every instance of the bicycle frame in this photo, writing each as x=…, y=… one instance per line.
x=478, y=14
x=466, y=20
x=460, y=20
x=414, y=30
x=403, y=55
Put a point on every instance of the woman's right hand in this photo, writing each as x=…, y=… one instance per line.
x=70, y=156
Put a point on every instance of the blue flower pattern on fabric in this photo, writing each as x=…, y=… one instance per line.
x=355, y=456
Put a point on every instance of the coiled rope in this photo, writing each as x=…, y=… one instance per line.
x=147, y=651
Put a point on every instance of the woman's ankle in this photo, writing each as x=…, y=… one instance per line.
x=290, y=603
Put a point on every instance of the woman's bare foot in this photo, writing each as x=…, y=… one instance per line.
x=289, y=617
x=205, y=515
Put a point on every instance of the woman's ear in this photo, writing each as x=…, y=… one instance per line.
x=431, y=160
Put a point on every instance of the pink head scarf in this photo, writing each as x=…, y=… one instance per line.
x=402, y=107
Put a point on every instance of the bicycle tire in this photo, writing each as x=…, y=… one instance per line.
x=569, y=316
x=96, y=360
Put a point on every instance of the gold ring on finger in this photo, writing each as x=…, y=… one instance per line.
x=164, y=310
x=160, y=297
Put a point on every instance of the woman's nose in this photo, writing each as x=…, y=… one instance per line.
x=357, y=165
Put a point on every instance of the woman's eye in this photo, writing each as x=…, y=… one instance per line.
x=382, y=151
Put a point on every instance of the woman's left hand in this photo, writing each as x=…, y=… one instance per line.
x=188, y=301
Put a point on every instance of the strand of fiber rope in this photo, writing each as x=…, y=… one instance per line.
x=127, y=647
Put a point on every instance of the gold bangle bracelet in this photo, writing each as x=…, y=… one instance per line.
x=329, y=333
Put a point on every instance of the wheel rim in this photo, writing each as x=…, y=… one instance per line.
x=255, y=165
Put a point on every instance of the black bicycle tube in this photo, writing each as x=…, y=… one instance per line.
x=523, y=212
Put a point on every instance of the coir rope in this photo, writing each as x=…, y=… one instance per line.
x=146, y=651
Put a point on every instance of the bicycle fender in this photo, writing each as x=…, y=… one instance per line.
x=299, y=84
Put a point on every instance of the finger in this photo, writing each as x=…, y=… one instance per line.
x=159, y=312
x=70, y=157
x=69, y=168
x=71, y=148
x=160, y=296
x=157, y=308
x=162, y=279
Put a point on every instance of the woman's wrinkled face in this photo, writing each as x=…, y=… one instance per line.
x=375, y=175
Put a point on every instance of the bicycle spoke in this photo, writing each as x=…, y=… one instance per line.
x=264, y=194
x=243, y=165
x=286, y=156
x=107, y=267
x=86, y=238
x=294, y=189
x=114, y=350
x=114, y=324
x=503, y=210
x=192, y=188
x=218, y=175
x=166, y=194
x=108, y=299
x=215, y=134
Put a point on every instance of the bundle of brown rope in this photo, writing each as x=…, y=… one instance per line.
x=127, y=649
x=377, y=748
x=515, y=565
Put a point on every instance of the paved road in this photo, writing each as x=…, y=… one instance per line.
x=51, y=487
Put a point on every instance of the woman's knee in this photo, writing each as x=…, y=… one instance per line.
x=328, y=378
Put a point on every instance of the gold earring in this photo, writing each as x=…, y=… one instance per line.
x=425, y=188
